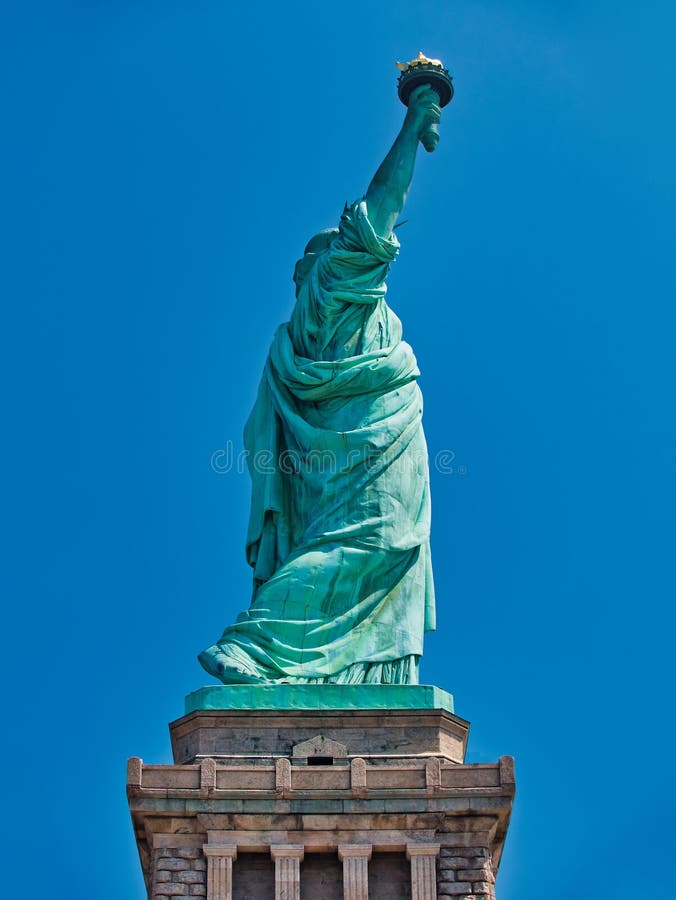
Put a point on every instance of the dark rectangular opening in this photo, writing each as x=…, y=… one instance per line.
x=321, y=877
x=389, y=877
x=320, y=760
x=253, y=877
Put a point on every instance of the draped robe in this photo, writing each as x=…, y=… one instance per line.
x=340, y=515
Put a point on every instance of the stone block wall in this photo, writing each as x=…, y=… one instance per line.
x=178, y=872
x=465, y=873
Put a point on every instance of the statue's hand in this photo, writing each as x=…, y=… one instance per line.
x=423, y=113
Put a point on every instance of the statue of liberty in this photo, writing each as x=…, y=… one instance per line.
x=339, y=527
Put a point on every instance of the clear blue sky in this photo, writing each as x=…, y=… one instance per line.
x=164, y=164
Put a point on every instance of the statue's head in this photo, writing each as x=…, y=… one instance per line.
x=315, y=246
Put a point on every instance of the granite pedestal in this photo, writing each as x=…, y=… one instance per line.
x=331, y=791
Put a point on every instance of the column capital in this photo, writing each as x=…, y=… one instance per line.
x=354, y=850
x=224, y=850
x=287, y=851
x=422, y=850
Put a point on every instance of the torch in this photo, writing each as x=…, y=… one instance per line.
x=425, y=71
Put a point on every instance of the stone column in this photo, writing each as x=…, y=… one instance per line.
x=355, y=858
x=288, y=858
x=219, y=870
x=423, y=859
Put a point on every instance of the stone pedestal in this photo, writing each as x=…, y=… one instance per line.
x=354, y=801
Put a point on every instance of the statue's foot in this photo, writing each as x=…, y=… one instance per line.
x=225, y=669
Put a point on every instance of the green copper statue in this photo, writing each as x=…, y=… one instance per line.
x=340, y=513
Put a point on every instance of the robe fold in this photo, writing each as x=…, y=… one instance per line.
x=339, y=528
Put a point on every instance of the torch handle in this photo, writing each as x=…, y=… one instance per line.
x=430, y=138
x=431, y=74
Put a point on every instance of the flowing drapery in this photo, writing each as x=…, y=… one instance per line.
x=340, y=516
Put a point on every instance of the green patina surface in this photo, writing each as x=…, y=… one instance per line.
x=339, y=531
x=318, y=696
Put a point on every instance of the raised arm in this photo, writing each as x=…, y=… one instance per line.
x=389, y=188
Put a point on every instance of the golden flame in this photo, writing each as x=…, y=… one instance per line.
x=421, y=60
